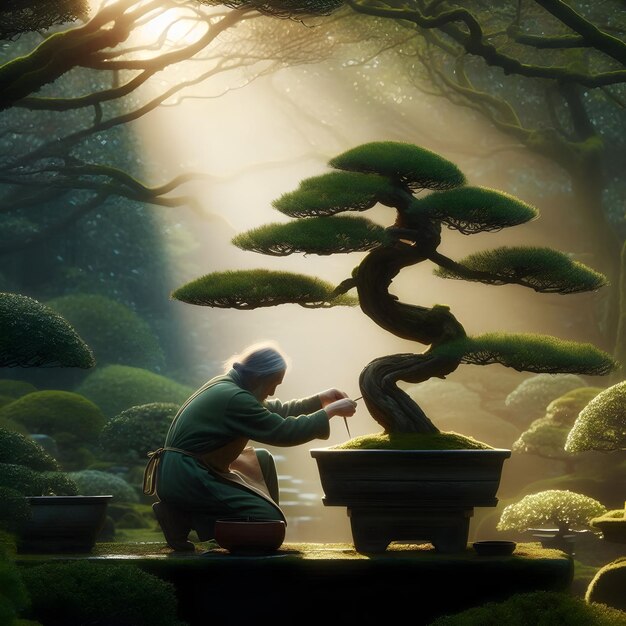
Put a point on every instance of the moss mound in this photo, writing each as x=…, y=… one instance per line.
x=15, y=388
x=54, y=412
x=114, y=332
x=99, y=594
x=115, y=388
x=95, y=483
x=607, y=586
x=413, y=441
x=539, y=607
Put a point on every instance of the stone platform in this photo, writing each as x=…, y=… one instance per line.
x=315, y=582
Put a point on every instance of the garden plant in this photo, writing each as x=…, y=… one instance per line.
x=391, y=173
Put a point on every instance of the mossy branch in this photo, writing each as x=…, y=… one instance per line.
x=543, y=269
x=251, y=289
x=316, y=235
x=529, y=353
x=474, y=209
x=407, y=165
x=335, y=192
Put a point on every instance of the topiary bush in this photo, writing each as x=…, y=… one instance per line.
x=564, y=509
x=13, y=594
x=115, y=388
x=20, y=450
x=94, y=482
x=99, y=594
x=15, y=388
x=530, y=399
x=545, y=608
x=34, y=335
x=14, y=511
x=53, y=412
x=601, y=425
x=134, y=432
x=73, y=421
x=608, y=585
x=114, y=332
x=29, y=482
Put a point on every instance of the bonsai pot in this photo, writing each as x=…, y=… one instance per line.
x=252, y=537
x=410, y=495
x=63, y=523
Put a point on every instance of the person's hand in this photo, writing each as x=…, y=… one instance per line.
x=344, y=407
x=331, y=395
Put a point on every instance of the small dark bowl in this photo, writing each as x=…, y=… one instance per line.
x=249, y=537
x=494, y=548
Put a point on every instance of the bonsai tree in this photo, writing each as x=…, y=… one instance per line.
x=530, y=399
x=546, y=436
x=562, y=508
x=391, y=174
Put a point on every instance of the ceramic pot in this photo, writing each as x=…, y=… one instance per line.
x=243, y=536
x=410, y=495
x=63, y=523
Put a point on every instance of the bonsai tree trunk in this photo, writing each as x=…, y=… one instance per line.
x=388, y=405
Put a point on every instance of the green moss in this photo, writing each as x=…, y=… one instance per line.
x=529, y=352
x=607, y=586
x=601, y=425
x=413, y=441
x=250, y=289
x=538, y=607
x=115, y=388
x=52, y=412
x=34, y=335
x=130, y=435
x=475, y=209
x=15, y=388
x=316, y=235
x=333, y=193
x=114, y=332
x=83, y=592
x=410, y=165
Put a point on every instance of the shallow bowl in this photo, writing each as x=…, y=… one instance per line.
x=243, y=536
x=494, y=547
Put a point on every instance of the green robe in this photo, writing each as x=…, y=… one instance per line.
x=219, y=414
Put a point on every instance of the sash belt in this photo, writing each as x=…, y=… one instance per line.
x=149, y=473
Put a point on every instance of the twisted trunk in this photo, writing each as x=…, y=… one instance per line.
x=390, y=406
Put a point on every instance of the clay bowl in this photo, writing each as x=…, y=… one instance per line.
x=494, y=548
x=249, y=537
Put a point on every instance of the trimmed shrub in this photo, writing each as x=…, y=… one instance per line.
x=114, y=332
x=15, y=388
x=14, y=511
x=608, y=585
x=13, y=594
x=115, y=388
x=54, y=412
x=547, y=608
x=29, y=482
x=601, y=425
x=99, y=594
x=530, y=399
x=137, y=430
x=564, y=509
x=20, y=450
x=94, y=483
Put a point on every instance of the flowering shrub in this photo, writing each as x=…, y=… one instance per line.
x=565, y=509
x=95, y=483
x=601, y=425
